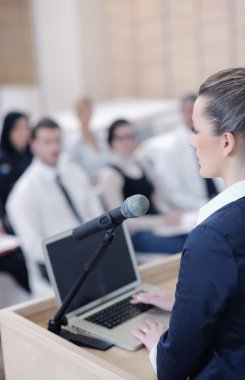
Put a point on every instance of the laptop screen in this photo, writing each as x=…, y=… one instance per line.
x=115, y=273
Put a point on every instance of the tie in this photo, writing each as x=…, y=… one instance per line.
x=211, y=188
x=68, y=199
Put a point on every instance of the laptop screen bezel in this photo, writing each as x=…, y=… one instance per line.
x=102, y=299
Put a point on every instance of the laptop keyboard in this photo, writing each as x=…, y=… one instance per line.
x=118, y=313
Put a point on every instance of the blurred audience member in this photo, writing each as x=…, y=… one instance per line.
x=15, y=156
x=176, y=166
x=123, y=177
x=53, y=195
x=14, y=279
x=86, y=149
x=15, y=153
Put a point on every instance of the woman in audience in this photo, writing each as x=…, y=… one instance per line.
x=123, y=177
x=85, y=148
x=15, y=156
x=206, y=334
x=15, y=153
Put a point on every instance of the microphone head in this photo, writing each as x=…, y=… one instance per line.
x=135, y=206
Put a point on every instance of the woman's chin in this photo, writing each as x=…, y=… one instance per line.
x=204, y=173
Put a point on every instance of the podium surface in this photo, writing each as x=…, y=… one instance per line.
x=30, y=351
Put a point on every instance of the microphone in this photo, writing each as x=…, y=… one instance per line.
x=132, y=207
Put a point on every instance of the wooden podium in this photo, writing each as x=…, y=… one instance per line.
x=32, y=352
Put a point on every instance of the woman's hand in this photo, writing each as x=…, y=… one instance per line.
x=149, y=333
x=164, y=299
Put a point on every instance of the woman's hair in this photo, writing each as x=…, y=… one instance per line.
x=113, y=127
x=9, y=124
x=225, y=94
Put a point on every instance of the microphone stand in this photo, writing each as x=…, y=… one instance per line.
x=55, y=324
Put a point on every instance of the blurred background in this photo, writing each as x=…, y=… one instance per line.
x=54, y=51
x=134, y=59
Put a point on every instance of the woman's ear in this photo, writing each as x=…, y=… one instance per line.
x=229, y=143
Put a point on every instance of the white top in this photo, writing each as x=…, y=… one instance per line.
x=231, y=194
x=37, y=207
x=177, y=170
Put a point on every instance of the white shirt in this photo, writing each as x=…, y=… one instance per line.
x=176, y=166
x=37, y=207
x=231, y=194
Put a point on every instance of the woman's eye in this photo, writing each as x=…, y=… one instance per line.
x=194, y=131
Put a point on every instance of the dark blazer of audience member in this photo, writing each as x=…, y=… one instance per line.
x=15, y=153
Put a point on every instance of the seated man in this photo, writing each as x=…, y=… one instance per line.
x=53, y=195
x=176, y=167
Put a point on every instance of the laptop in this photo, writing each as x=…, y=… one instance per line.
x=110, y=285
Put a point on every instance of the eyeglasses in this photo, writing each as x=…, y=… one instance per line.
x=125, y=137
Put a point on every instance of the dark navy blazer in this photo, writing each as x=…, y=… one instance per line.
x=206, y=336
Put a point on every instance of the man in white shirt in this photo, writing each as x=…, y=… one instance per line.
x=37, y=206
x=176, y=166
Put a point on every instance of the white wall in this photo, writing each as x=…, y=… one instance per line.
x=94, y=48
x=69, y=44
x=56, y=38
